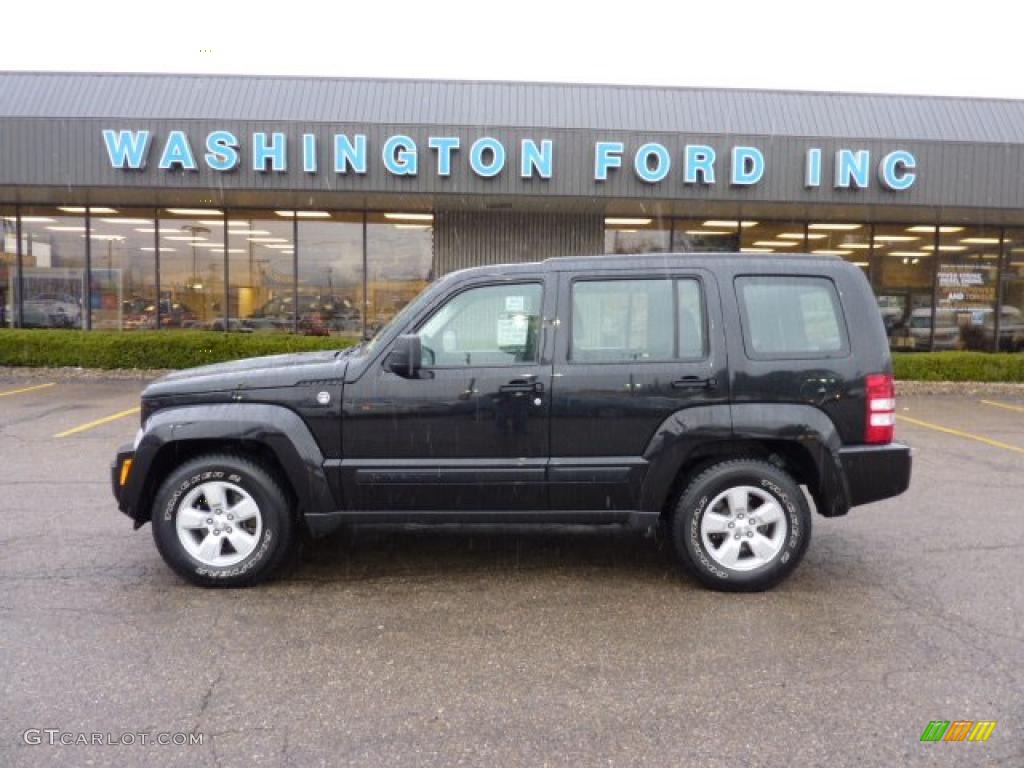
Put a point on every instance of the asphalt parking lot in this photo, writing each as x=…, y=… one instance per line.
x=501, y=647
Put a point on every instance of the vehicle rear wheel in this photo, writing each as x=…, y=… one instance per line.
x=741, y=525
x=222, y=520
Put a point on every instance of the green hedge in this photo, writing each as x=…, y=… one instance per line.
x=148, y=349
x=185, y=349
x=958, y=366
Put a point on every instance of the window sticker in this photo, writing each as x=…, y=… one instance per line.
x=512, y=330
x=515, y=303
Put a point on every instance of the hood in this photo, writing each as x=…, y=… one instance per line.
x=250, y=373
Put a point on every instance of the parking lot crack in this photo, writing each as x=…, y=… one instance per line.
x=974, y=548
x=207, y=696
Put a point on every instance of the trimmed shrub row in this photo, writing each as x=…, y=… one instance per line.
x=147, y=349
x=185, y=349
x=958, y=366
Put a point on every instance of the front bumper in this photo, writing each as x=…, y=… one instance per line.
x=876, y=472
x=119, y=477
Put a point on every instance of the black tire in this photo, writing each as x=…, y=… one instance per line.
x=277, y=535
x=695, y=502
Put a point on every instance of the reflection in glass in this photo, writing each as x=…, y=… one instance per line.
x=399, y=256
x=966, y=292
x=706, y=235
x=260, y=280
x=192, y=270
x=851, y=240
x=905, y=263
x=1011, y=316
x=8, y=264
x=637, y=235
x=123, y=276
x=331, y=275
x=53, y=258
x=772, y=237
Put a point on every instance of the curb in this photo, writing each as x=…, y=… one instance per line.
x=81, y=374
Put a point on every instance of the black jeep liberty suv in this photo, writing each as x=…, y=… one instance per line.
x=700, y=393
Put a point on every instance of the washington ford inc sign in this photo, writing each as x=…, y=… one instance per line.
x=487, y=157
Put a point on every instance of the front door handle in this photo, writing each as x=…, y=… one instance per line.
x=693, y=382
x=522, y=385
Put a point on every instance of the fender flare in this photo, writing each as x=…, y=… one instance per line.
x=683, y=435
x=275, y=427
x=811, y=429
x=674, y=442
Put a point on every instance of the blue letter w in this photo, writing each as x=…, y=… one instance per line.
x=127, y=149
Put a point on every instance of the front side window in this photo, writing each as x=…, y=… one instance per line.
x=786, y=316
x=489, y=325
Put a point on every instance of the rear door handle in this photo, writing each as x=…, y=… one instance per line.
x=522, y=385
x=693, y=382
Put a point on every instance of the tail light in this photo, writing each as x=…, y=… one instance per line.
x=880, y=419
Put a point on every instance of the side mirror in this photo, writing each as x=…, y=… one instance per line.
x=405, y=356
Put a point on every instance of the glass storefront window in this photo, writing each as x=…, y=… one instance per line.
x=53, y=259
x=399, y=263
x=637, y=234
x=966, y=291
x=851, y=240
x=8, y=264
x=339, y=292
x=123, y=279
x=261, y=290
x=191, y=269
x=772, y=237
x=331, y=274
x=705, y=235
x=905, y=264
x=1011, y=316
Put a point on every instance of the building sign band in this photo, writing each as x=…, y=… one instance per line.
x=488, y=157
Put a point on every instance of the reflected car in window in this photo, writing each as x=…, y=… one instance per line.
x=318, y=315
x=32, y=317
x=947, y=330
x=982, y=331
x=64, y=310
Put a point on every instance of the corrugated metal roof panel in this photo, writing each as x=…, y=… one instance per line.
x=517, y=105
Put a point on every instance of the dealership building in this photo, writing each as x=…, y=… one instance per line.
x=318, y=205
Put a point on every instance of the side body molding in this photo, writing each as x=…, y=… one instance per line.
x=280, y=430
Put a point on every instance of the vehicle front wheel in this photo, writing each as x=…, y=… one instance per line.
x=223, y=520
x=741, y=525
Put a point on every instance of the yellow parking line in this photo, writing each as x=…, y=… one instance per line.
x=98, y=422
x=1007, y=406
x=33, y=388
x=958, y=433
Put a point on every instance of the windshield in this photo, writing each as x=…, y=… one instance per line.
x=399, y=319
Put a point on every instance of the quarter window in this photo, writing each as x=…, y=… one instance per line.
x=489, y=325
x=786, y=316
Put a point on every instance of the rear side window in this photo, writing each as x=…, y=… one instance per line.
x=785, y=316
x=690, y=309
x=636, y=320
